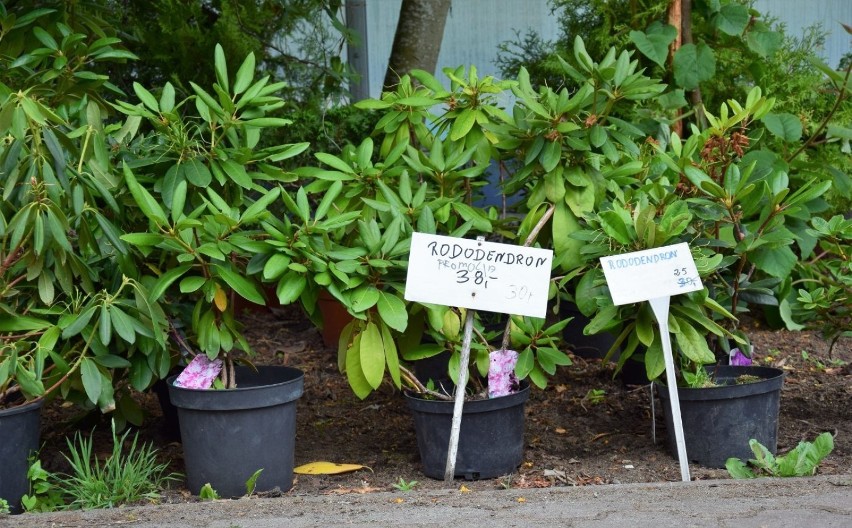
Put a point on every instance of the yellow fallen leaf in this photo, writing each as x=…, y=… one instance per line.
x=560, y=430
x=521, y=499
x=220, y=299
x=326, y=468
x=464, y=489
x=399, y=500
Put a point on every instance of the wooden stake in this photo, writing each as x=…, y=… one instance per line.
x=453, y=448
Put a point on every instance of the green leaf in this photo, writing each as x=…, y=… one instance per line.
x=334, y=162
x=146, y=97
x=785, y=126
x=824, y=445
x=244, y=75
x=364, y=298
x=764, y=43
x=694, y=64
x=693, y=344
x=242, y=286
x=738, y=469
x=196, y=172
x=655, y=43
x=392, y=311
x=165, y=280
x=221, y=67
x=91, y=377
x=463, y=124
x=354, y=373
x=732, y=19
x=149, y=206
x=79, y=322
x=123, y=324
x=111, y=361
x=372, y=355
x=391, y=356
x=142, y=239
x=290, y=287
x=778, y=262
x=20, y=323
x=104, y=327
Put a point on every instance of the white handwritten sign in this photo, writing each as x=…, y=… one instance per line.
x=478, y=275
x=652, y=273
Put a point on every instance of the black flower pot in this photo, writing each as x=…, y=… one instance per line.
x=718, y=422
x=20, y=428
x=229, y=434
x=491, y=440
x=582, y=345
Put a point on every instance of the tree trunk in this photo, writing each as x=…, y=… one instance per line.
x=676, y=20
x=418, y=37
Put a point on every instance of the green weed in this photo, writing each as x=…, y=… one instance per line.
x=122, y=478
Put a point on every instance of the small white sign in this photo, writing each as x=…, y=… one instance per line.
x=652, y=273
x=478, y=275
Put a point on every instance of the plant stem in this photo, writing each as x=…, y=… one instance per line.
x=412, y=380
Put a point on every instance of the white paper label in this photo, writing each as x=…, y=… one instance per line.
x=479, y=275
x=652, y=273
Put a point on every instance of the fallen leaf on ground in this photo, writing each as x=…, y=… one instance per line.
x=326, y=468
x=464, y=489
x=344, y=491
x=560, y=430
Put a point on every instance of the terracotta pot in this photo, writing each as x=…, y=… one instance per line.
x=334, y=318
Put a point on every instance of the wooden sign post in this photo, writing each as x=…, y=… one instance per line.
x=654, y=275
x=476, y=275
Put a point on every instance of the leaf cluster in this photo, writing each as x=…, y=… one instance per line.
x=801, y=461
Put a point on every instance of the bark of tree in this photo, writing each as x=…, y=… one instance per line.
x=418, y=37
x=676, y=20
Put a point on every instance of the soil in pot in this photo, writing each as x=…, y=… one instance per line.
x=229, y=434
x=491, y=440
x=20, y=429
x=718, y=422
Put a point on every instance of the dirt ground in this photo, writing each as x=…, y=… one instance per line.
x=572, y=438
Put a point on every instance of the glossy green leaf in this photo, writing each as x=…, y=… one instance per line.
x=391, y=355
x=149, y=206
x=354, y=372
x=372, y=354
x=165, y=280
x=693, y=344
x=242, y=286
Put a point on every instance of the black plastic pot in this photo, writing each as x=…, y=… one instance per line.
x=227, y=435
x=491, y=440
x=582, y=345
x=718, y=422
x=20, y=428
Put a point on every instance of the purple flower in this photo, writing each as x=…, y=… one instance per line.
x=200, y=373
x=501, y=373
x=738, y=358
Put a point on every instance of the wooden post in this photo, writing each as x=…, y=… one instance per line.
x=452, y=450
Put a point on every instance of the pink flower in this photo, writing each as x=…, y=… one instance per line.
x=501, y=373
x=200, y=373
x=738, y=358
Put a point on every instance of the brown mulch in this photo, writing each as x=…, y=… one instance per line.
x=572, y=438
